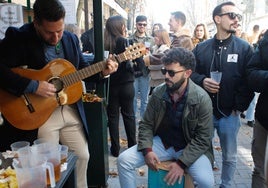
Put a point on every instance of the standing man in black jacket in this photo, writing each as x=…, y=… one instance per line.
x=258, y=81
x=229, y=55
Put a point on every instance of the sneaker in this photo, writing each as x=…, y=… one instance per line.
x=251, y=123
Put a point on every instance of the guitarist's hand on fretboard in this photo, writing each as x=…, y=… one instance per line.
x=111, y=66
x=45, y=89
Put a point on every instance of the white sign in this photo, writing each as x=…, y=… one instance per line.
x=10, y=15
x=70, y=9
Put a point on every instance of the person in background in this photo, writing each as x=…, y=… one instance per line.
x=240, y=33
x=121, y=89
x=142, y=79
x=231, y=95
x=177, y=125
x=73, y=28
x=253, y=38
x=180, y=36
x=200, y=34
x=257, y=70
x=250, y=113
x=162, y=43
x=156, y=26
x=87, y=40
x=36, y=44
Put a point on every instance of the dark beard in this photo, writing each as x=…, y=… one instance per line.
x=175, y=86
x=232, y=31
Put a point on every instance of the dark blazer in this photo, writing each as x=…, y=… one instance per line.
x=22, y=46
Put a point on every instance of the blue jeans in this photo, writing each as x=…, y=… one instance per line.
x=141, y=86
x=251, y=109
x=227, y=129
x=130, y=159
x=260, y=156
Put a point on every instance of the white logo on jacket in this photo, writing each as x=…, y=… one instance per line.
x=232, y=58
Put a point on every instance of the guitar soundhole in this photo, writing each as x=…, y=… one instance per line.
x=57, y=82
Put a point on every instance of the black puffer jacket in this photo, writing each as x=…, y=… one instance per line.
x=230, y=56
x=257, y=70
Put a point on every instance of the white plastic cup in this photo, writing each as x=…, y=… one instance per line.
x=216, y=76
x=106, y=54
x=39, y=141
x=20, y=144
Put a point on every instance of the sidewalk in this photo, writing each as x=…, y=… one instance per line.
x=242, y=178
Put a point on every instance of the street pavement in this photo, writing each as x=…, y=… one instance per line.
x=242, y=178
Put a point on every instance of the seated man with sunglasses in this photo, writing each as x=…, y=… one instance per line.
x=229, y=55
x=177, y=125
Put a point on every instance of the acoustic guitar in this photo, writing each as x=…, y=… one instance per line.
x=30, y=111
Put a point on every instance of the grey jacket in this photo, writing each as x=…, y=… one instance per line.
x=197, y=123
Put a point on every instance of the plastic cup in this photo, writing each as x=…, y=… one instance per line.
x=51, y=152
x=64, y=153
x=24, y=156
x=39, y=141
x=34, y=176
x=20, y=144
x=147, y=45
x=106, y=54
x=216, y=76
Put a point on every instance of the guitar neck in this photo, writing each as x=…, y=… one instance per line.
x=79, y=75
x=132, y=52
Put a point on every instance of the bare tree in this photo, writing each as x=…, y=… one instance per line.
x=80, y=11
x=191, y=13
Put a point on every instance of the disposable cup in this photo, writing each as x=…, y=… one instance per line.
x=20, y=144
x=64, y=153
x=216, y=76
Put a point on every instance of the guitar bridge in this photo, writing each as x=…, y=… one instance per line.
x=58, y=99
x=28, y=103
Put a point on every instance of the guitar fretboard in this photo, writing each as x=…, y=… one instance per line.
x=79, y=75
x=132, y=52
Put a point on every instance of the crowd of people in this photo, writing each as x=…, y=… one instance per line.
x=181, y=104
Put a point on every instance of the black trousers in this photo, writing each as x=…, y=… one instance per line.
x=121, y=98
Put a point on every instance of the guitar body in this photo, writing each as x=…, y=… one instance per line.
x=17, y=112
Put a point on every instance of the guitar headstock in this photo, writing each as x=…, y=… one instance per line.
x=134, y=51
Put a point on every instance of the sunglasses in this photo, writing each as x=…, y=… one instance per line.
x=232, y=15
x=142, y=24
x=171, y=73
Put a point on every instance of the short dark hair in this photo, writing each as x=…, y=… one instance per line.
x=256, y=28
x=50, y=10
x=141, y=18
x=179, y=55
x=178, y=15
x=217, y=10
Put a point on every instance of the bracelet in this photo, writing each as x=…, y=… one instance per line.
x=146, y=151
x=181, y=164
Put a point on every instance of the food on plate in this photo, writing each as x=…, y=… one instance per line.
x=8, y=178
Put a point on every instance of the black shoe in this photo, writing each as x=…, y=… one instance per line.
x=251, y=123
x=242, y=115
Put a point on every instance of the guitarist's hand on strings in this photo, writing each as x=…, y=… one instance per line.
x=111, y=66
x=45, y=89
